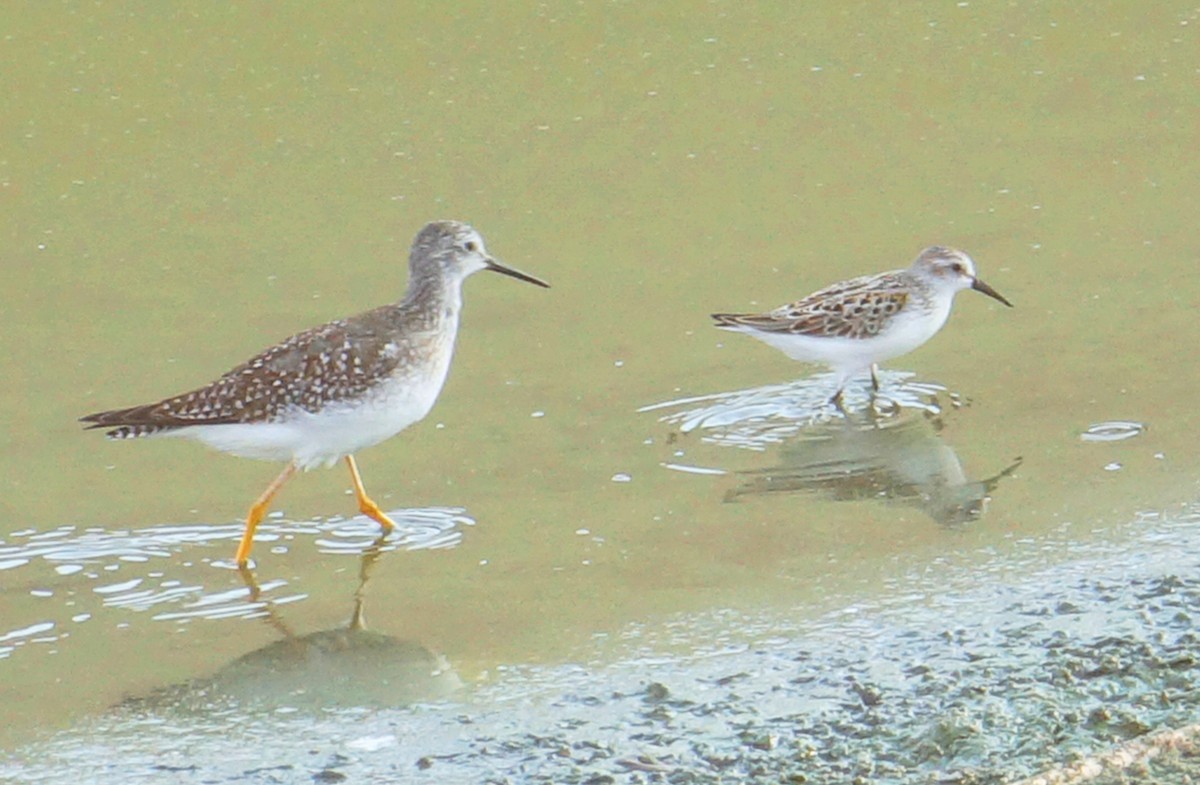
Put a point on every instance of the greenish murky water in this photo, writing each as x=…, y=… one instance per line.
x=184, y=186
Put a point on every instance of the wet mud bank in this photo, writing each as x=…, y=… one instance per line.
x=1086, y=667
x=998, y=683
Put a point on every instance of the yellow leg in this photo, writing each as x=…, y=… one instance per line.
x=258, y=511
x=365, y=505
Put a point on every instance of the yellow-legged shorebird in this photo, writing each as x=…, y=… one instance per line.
x=326, y=393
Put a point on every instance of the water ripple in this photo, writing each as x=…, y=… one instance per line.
x=416, y=529
x=96, y=557
x=1112, y=431
x=762, y=416
x=430, y=528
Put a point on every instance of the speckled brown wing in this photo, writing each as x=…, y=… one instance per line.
x=857, y=308
x=337, y=360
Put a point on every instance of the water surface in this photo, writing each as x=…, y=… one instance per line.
x=184, y=187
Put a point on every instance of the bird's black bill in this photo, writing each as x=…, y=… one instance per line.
x=980, y=286
x=495, y=266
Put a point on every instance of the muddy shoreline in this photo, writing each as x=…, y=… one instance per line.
x=998, y=680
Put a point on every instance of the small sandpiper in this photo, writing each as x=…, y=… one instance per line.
x=326, y=393
x=855, y=324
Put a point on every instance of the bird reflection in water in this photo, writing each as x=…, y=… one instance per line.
x=898, y=461
x=344, y=667
x=888, y=450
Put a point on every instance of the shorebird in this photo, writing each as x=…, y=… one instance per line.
x=853, y=325
x=324, y=394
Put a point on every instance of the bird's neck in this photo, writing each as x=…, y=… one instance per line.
x=431, y=301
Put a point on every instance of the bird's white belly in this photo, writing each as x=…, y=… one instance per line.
x=340, y=429
x=855, y=354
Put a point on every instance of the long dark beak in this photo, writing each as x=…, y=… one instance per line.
x=495, y=266
x=980, y=286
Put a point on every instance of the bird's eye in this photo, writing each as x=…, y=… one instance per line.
x=471, y=246
x=958, y=268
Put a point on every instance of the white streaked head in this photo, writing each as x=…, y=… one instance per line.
x=949, y=269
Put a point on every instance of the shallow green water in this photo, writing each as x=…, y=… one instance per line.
x=184, y=187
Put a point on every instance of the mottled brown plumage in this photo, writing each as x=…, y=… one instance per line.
x=856, y=323
x=338, y=361
x=330, y=391
x=857, y=308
